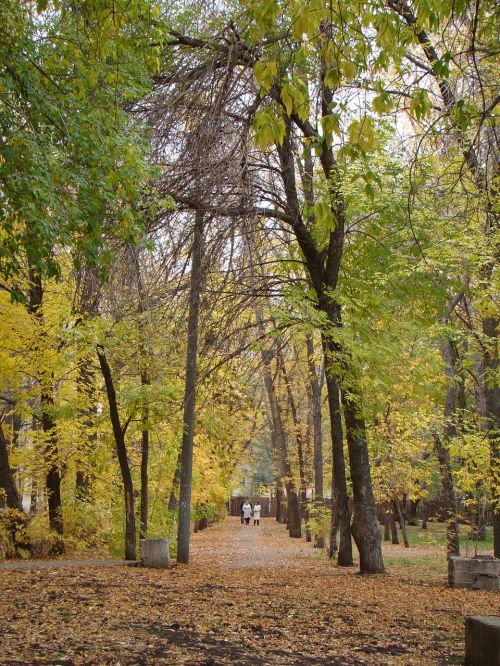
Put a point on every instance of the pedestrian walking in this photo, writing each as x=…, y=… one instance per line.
x=256, y=513
x=247, y=511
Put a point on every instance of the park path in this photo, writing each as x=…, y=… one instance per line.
x=238, y=546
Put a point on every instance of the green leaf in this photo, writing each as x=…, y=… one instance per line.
x=349, y=69
x=287, y=99
x=330, y=125
x=324, y=216
x=332, y=78
x=361, y=134
x=420, y=104
x=382, y=103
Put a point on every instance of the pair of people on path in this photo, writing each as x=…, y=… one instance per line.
x=247, y=510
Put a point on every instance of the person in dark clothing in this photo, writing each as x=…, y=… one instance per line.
x=241, y=513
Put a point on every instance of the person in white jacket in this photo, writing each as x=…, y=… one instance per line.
x=256, y=513
x=247, y=511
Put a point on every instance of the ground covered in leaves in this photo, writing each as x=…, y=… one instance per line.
x=251, y=597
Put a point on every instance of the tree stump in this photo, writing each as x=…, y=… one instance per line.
x=155, y=553
x=482, y=641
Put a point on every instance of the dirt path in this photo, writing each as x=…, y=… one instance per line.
x=251, y=597
x=247, y=546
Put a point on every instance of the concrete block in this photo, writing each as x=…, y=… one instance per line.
x=155, y=553
x=482, y=640
x=474, y=572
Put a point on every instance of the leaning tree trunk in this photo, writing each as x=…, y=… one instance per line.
x=186, y=468
x=121, y=450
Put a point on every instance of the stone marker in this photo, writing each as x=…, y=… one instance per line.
x=155, y=553
x=480, y=573
x=482, y=640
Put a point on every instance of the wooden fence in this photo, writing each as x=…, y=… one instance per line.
x=268, y=505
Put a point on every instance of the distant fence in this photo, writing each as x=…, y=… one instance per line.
x=432, y=508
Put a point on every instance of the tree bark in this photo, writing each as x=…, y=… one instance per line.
x=394, y=528
x=87, y=414
x=121, y=450
x=492, y=400
x=51, y=453
x=315, y=408
x=365, y=529
x=144, y=460
x=401, y=519
x=443, y=454
x=387, y=525
x=344, y=557
x=323, y=269
x=279, y=439
x=186, y=468
x=7, y=481
x=173, y=500
x=296, y=515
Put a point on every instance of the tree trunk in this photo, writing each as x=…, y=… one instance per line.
x=144, y=460
x=413, y=518
x=387, y=526
x=334, y=529
x=7, y=482
x=443, y=454
x=173, y=500
x=315, y=408
x=295, y=512
x=51, y=452
x=278, y=505
x=424, y=516
x=393, y=526
x=323, y=268
x=344, y=557
x=186, y=467
x=121, y=450
x=402, y=524
x=279, y=440
x=365, y=529
x=492, y=400
x=87, y=415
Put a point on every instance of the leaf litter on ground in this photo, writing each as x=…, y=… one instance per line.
x=251, y=596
